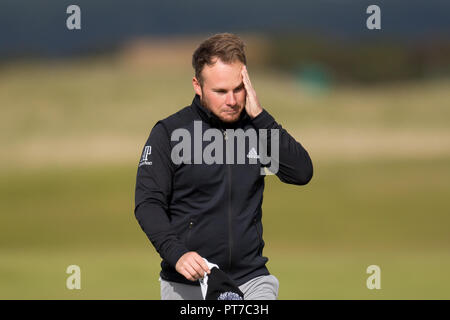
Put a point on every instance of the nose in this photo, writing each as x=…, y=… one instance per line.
x=230, y=100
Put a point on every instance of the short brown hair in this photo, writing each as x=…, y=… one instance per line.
x=225, y=46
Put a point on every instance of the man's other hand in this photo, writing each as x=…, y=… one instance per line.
x=192, y=266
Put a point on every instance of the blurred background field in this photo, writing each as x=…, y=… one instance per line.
x=72, y=128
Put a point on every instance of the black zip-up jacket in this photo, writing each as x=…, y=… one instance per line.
x=213, y=209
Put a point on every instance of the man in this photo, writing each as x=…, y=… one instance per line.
x=194, y=198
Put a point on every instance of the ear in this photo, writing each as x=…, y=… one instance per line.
x=197, y=86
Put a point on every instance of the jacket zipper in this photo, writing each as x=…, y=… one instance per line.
x=230, y=229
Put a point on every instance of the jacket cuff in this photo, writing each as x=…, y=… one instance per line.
x=175, y=254
x=264, y=120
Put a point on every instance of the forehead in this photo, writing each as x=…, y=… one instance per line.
x=222, y=75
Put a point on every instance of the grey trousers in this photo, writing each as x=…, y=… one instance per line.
x=259, y=288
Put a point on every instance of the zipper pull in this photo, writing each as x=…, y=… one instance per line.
x=225, y=134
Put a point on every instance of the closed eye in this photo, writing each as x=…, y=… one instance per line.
x=238, y=88
x=223, y=91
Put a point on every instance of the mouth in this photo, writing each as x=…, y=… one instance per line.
x=230, y=110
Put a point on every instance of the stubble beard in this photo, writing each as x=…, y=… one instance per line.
x=205, y=103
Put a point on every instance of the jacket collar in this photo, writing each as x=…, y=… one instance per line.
x=213, y=120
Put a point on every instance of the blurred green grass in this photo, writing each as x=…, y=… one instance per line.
x=320, y=239
x=71, y=134
x=118, y=273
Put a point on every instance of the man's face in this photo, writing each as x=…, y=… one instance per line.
x=223, y=91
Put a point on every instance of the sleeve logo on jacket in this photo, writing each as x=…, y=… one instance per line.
x=144, y=159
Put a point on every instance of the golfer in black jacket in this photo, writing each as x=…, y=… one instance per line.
x=200, y=179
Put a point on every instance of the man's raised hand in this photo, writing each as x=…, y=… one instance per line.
x=252, y=105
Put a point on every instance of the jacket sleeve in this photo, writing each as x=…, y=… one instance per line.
x=152, y=196
x=294, y=165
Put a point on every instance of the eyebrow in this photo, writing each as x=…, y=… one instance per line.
x=221, y=89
